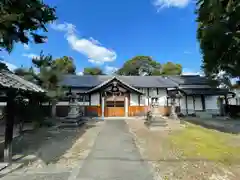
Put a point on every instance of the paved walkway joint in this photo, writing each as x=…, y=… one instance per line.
x=114, y=156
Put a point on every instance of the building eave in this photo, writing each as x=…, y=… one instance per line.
x=96, y=88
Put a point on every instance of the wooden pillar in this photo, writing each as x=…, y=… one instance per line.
x=203, y=103
x=148, y=97
x=226, y=106
x=126, y=106
x=186, y=99
x=10, y=112
x=194, y=106
x=103, y=106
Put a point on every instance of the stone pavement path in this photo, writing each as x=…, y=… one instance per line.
x=114, y=156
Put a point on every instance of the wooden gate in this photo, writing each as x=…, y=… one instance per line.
x=114, y=112
x=114, y=107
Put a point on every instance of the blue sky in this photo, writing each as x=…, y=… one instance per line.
x=106, y=33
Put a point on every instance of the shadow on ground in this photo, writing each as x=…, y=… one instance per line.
x=45, y=144
x=226, y=126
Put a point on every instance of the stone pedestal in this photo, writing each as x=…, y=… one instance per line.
x=155, y=110
x=173, y=114
x=74, y=110
x=155, y=119
x=74, y=117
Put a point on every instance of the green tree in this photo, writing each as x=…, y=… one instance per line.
x=3, y=66
x=65, y=65
x=219, y=36
x=93, y=71
x=49, y=76
x=171, y=69
x=140, y=65
x=20, y=71
x=21, y=20
x=28, y=74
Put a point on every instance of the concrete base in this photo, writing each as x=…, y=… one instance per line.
x=71, y=122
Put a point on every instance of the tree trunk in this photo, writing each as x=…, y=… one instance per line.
x=10, y=111
x=54, y=107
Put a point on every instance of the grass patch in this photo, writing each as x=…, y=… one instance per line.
x=196, y=142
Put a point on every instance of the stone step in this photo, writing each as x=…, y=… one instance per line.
x=71, y=123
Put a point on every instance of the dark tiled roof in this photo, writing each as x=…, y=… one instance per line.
x=135, y=81
x=83, y=81
x=194, y=86
x=10, y=80
x=148, y=81
x=209, y=91
x=128, y=86
x=189, y=80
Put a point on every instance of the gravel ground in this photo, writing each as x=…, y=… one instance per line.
x=168, y=162
x=52, y=153
x=42, y=176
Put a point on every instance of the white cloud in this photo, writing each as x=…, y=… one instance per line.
x=91, y=48
x=159, y=4
x=80, y=73
x=30, y=55
x=26, y=46
x=110, y=69
x=10, y=66
x=66, y=27
x=94, y=41
x=191, y=72
x=187, y=52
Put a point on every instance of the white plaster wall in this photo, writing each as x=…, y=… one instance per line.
x=211, y=102
x=146, y=101
x=198, y=104
x=133, y=99
x=95, y=99
x=152, y=92
x=162, y=97
x=183, y=105
x=189, y=105
x=143, y=100
x=144, y=90
x=234, y=101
